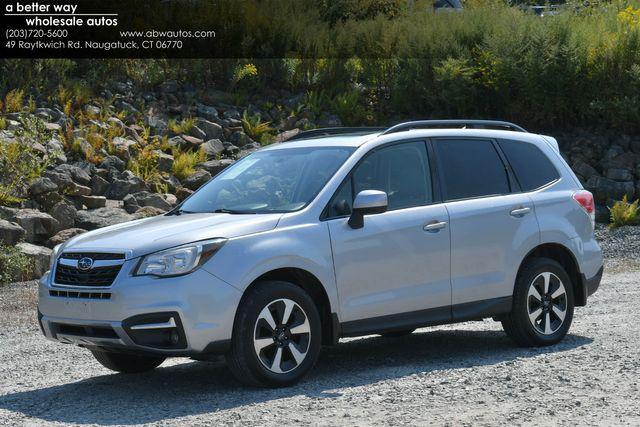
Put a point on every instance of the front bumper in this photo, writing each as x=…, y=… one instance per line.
x=139, y=314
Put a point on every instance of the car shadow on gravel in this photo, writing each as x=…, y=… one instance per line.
x=195, y=388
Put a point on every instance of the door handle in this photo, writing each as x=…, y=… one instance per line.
x=520, y=211
x=434, y=226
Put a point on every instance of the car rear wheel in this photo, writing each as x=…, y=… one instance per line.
x=276, y=337
x=127, y=363
x=542, y=304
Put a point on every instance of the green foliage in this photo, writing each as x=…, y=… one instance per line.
x=14, y=265
x=256, y=128
x=184, y=162
x=20, y=165
x=14, y=101
x=348, y=106
x=182, y=127
x=624, y=213
x=3, y=123
x=343, y=10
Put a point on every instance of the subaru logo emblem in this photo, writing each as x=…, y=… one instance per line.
x=85, y=264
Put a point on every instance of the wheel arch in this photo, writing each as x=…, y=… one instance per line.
x=565, y=257
x=308, y=282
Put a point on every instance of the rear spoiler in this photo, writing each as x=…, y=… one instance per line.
x=552, y=142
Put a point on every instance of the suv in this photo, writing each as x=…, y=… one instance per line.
x=336, y=233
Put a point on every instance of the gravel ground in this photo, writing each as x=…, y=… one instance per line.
x=459, y=374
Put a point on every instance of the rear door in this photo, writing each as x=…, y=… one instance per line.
x=393, y=265
x=492, y=224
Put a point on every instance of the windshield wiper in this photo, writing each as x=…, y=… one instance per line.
x=233, y=211
x=180, y=212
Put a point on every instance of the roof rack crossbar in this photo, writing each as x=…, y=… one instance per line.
x=473, y=124
x=314, y=133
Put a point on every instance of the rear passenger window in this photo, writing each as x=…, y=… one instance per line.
x=471, y=168
x=530, y=165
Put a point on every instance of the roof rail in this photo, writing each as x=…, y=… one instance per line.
x=472, y=124
x=315, y=133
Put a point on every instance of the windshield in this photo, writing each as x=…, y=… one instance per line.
x=283, y=180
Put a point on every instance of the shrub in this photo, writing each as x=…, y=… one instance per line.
x=184, y=162
x=14, y=101
x=3, y=123
x=256, y=128
x=342, y=10
x=624, y=213
x=181, y=128
x=14, y=265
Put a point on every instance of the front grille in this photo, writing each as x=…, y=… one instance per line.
x=93, y=255
x=100, y=275
x=75, y=294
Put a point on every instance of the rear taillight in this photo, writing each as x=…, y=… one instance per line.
x=585, y=200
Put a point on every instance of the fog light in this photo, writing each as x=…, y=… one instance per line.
x=175, y=338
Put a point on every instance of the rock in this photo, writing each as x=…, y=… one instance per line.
x=620, y=174
x=212, y=130
x=38, y=258
x=240, y=139
x=64, y=235
x=41, y=186
x=114, y=121
x=191, y=141
x=605, y=188
x=182, y=193
x=196, y=132
x=62, y=180
x=209, y=113
x=170, y=86
x=113, y=162
x=602, y=214
x=130, y=203
x=214, y=167
x=232, y=113
x=329, y=121
x=99, y=185
x=157, y=124
x=65, y=213
x=231, y=150
x=170, y=199
x=52, y=127
x=76, y=173
x=165, y=161
x=10, y=233
x=196, y=179
x=144, y=198
x=634, y=146
x=213, y=148
x=7, y=213
x=102, y=217
x=125, y=184
x=128, y=108
x=148, y=211
x=287, y=134
x=584, y=170
x=92, y=110
x=78, y=190
x=47, y=201
x=175, y=141
x=38, y=226
x=123, y=147
x=93, y=202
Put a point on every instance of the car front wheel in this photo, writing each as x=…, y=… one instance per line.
x=276, y=337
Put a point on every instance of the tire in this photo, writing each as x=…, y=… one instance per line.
x=127, y=363
x=397, y=334
x=542, y=304
x=264, y=356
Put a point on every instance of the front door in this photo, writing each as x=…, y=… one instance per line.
x=398, y=263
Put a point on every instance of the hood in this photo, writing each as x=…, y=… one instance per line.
x=141, y=237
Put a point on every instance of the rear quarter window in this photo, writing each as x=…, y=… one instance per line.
x=531, y=166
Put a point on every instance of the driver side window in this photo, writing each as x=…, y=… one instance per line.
x=402, y=171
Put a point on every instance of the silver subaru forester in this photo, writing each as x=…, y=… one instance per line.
x=336, y=233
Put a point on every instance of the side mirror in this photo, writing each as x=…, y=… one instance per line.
x=367, y=202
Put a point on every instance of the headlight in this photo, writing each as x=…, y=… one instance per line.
x=54, y=256
x=179, y=260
